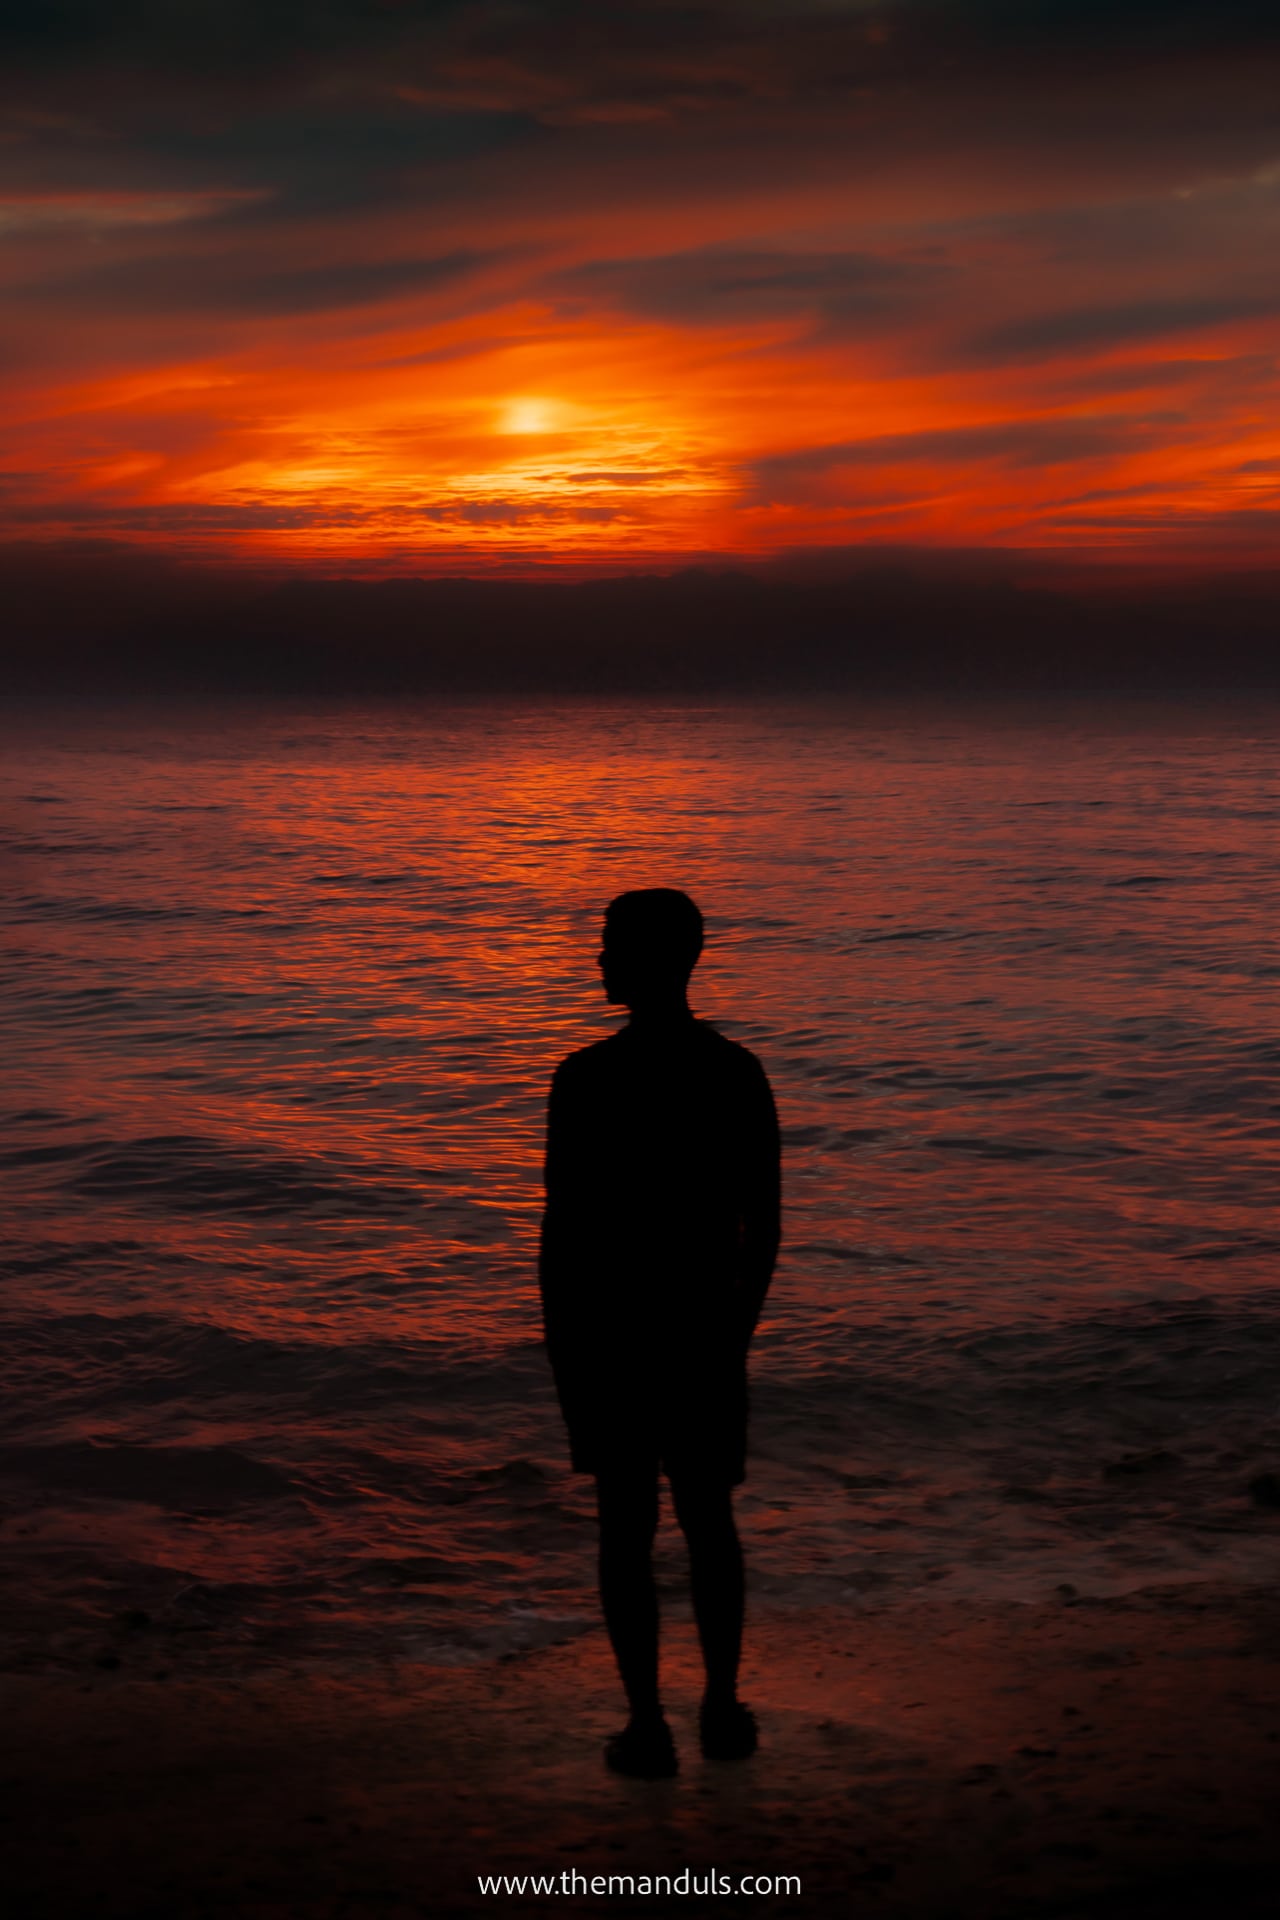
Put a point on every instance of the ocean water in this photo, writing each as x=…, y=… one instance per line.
x=282, y=993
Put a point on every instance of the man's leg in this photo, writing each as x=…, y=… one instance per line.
x=704, y=1508
x=627, y=1502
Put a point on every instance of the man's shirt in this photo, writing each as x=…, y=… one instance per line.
x=662, y=1181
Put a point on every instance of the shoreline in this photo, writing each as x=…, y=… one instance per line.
x=1113, y=1754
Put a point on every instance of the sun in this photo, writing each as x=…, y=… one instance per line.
x=530, y=416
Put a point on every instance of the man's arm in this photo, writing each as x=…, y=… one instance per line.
x=760, y=1219
x=555, y=1258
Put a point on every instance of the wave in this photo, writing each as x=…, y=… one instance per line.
x=201, y=1174
x=1202, y=1360
x=180, y=1478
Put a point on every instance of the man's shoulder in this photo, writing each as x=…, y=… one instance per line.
x=617, y=1054
x=729, y=1054
x=589, y=1060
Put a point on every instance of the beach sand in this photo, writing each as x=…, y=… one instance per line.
x=1116, y=1756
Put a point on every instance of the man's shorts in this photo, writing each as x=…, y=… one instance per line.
x=691, y=1426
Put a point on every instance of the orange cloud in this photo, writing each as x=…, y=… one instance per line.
x=527, y=291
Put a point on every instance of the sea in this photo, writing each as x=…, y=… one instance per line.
x=283, y=986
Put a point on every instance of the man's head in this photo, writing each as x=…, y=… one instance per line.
x=652, y=939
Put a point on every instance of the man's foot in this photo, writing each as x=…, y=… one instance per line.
x=644, y=1750
x=728, y=1730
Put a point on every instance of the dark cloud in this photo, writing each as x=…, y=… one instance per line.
x=1254, y=530
x=1016, y=443
x=514, y=513
x=903, y=620
x=360, y=145
x=618, y=64
x=333, y=113
x=1200, y=382
x=715, y=285
x=629, y=478
x=191, y=518
x=322, y=107
x=290, y=156
x=174, y=282
x=1138, y=32
x=716, y=43
x=1128, y=232
x=202, y=520
x=17, y=484
x=241, y=40
x=1042, y=336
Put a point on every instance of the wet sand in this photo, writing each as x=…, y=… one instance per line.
x=1080, y=1755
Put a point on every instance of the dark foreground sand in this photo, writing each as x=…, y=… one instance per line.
x=1117, y=1757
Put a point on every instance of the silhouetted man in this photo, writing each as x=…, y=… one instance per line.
x=658, y=1245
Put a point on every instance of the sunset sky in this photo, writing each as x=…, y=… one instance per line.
x=402, y=284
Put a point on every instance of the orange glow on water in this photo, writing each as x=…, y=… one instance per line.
x=286, y=995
